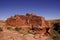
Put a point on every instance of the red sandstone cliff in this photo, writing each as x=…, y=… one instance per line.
x=29, y=21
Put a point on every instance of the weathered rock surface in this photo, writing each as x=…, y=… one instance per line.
x=14, y=35
x=30, y=21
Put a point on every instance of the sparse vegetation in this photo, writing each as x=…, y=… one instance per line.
x=24, y=32
x=9, y=28
x=27, y=32
x=31, y=32
x=55, y=30
x=18, y=28
x=55, y=21
x=54, y=34
x=3, y=21
x=49, y=38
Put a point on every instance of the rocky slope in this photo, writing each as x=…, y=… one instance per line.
x=9, y=34
x=25, y=27
x=29, y=21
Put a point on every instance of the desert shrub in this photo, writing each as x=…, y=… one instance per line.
x=24, y=32
x=1, y=29
x=57, y=27
x=31, y=31
x=18, y=29
x=9, y=28
x=54, y=34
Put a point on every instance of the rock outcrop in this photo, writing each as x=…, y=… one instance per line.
x=32, y=21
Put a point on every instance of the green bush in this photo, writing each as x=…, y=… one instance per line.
x=54, y=34
x=1, y=29
x=17, y=29
x=9, y=28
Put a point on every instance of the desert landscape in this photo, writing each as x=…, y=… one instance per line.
x=29, y=19
x=29, y=27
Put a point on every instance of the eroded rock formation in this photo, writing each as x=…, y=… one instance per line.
x=37, y=23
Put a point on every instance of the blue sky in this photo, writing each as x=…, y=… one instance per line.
x=50, y=9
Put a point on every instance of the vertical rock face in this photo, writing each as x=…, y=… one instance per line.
x=16, y=21
x=29, y=20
